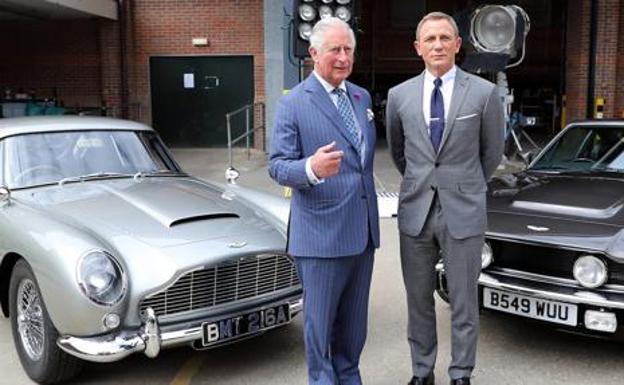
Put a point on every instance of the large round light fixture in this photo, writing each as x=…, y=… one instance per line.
x=343, y=14
x=305, y=30
x=325, y=11
x=590, y=271
x=307, y=12
x=343, y=2
x=493, y=28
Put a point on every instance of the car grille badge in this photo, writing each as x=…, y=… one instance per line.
x=539, y=229
x=237, y=244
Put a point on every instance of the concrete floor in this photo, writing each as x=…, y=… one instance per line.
x=511, y=351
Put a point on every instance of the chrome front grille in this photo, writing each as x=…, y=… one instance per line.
x=225, y=283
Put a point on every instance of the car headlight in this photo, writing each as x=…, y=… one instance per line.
x=486, y=255
x=590, y=271
x=101, y=278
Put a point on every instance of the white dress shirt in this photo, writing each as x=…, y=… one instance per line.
x=448, y=82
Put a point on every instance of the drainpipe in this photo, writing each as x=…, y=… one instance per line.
x=123, y=108
x=593, y=41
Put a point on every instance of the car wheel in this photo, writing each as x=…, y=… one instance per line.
x=34, y=334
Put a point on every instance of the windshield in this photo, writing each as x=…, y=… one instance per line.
x=585, y=148
x=43, y=158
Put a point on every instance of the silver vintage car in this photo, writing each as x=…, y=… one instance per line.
x=107, y=248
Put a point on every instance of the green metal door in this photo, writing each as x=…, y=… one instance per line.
x=191, y=95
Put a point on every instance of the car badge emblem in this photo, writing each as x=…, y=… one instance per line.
x=237, y=244
x=539, y=229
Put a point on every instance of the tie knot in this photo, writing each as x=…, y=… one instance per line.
x=338, y=91
x=437, y=82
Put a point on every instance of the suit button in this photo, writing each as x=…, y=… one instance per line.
x=433, y=188
x=436, y=164
x=363, y=197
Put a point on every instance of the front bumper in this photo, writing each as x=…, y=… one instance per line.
x=608, y=298
x=149, y=339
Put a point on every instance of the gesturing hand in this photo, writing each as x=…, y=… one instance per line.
x=326, y=161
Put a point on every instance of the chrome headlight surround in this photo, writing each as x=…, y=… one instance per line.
x=590, y=271
x=487, y=256
x=101, y=278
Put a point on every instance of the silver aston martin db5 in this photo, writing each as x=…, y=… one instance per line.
x=108, y=248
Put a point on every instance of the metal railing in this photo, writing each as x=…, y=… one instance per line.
x=250, y=127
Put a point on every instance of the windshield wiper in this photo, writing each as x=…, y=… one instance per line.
x=95, y=175
x=142, y=174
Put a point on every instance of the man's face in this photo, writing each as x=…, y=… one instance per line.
x=437, y=45
x=334, y=61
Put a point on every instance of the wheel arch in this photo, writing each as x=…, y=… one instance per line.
x=6, y=268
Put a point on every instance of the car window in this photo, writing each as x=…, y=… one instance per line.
x=585, y=148
x=42, y=158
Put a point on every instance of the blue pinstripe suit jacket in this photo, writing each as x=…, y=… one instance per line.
x=338, y=217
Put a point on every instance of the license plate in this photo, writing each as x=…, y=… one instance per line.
x=542, y=309
x=244, y=324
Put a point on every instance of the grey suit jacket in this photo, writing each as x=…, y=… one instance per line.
x=471, y=148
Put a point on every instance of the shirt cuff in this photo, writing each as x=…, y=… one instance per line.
x=313, y=179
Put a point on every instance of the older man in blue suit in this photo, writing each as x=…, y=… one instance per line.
x=323, y=146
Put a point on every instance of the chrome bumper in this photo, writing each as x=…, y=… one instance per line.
x=149, y=340
x=549, y=288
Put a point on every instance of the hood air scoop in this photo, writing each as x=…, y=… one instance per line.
x=202, y=217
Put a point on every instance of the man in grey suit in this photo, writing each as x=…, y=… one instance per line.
x=323, y=147
x=445, y=131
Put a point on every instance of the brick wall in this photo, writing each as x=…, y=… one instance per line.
x=608, y=62
x=164, y=27
x=577, y=58
x=619, y=103
x=52, y=58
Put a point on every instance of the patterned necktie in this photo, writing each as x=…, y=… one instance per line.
x=436, y=123
x=344, y=109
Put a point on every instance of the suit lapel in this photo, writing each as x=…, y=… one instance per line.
x=322, y=100
x=459, y=94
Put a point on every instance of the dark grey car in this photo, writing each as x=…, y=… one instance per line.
x=555, y=242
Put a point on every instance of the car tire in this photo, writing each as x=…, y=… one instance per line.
x=35, y=341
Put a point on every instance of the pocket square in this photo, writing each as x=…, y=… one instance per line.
x=370, y=114
x=466, y=117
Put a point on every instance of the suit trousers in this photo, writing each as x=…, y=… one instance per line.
x=462, y=264
x=335, y=305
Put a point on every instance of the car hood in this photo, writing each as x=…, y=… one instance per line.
x=162, y=212
x=576, y=210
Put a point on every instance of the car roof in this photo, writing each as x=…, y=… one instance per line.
x=33, y=124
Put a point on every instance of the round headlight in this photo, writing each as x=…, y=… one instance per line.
x=590, y=271
x=100, y=278
x=307, y=12
x=327, y=1
x=494, y=28
x=487, y=257
x=325, y=11
x=305, y=30
x=343, y=14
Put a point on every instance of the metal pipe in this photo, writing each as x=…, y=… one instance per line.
x=229, y=136
x=247, y=133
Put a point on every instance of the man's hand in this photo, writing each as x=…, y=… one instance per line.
x=326, y=161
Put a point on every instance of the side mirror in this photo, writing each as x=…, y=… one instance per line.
x=528, y=157
x=231, y=175
x=5, y=194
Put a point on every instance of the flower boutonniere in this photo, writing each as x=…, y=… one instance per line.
x=370, y=114
x=357, y=96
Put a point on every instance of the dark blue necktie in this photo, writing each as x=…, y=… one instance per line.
x=344, y=109
x=436, y=123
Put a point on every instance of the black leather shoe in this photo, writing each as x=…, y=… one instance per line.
x=429, y=380
x=461, y=381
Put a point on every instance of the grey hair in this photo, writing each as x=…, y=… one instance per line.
x=317, y=38
x=437, y=16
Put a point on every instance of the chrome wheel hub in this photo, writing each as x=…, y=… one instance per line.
x=30, y=319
